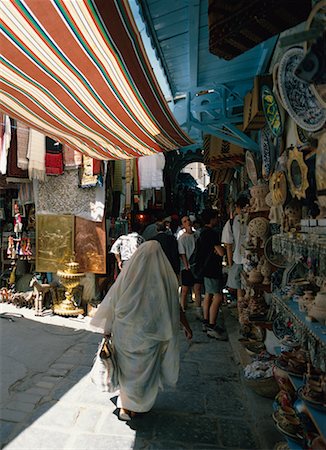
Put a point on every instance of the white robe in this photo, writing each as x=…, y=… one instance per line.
x=142, y=311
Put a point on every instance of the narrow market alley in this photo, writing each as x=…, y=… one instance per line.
x=52, y=403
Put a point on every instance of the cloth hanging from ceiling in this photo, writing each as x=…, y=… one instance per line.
x=14, y=173
x=5, y=143
x=78, y=71
x=151, y=171
x=51, y=197
x=36, y=155
x=22, y=145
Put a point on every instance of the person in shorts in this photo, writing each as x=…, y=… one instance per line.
x=186, y=246
x=234, y=235
x=209, y=256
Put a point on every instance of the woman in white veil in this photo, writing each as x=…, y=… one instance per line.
x=142, y=312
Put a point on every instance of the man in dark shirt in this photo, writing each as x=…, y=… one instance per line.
x=169, y=246
x=209, y=255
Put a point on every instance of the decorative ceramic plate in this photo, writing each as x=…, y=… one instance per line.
x=251, y=167
x=268, y=152
x=295, y=437
x=296, y=94
x=314, y=404
x=271, y=111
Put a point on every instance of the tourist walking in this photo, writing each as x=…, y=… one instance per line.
x=169, y=246
x=209, y=256
x=186, y=246
x=126, y=245
x=234, y=236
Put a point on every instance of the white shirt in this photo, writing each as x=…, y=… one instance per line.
x=237, y=235
x=186, y=246
x=126, y=245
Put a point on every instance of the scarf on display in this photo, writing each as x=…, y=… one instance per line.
x=53, y=157
x=5, y=143
x=90, y=171
x=71, y=158
x=22, y=145
x=36, y=155
x=13, y=171
x=51, y=197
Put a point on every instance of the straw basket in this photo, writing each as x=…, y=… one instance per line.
x=266, y=387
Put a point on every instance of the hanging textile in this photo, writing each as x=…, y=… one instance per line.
x=36, y=155
x=87, y=176
x=71, y=158
x=14, y=173
x=22, y=145
x=151, y=171
x=62, y=195
x=53, y=157
x=5, y=143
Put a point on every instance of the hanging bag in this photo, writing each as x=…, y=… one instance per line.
x=104, y=373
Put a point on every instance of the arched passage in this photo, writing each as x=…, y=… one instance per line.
x=175, y=162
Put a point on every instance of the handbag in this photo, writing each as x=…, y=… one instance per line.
x=104, y=373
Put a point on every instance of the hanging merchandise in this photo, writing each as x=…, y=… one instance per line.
x=72, y=159
x=151, y=171
x=53, y=157
x=22, y=145
x=5, y=142
x=36, y=155
x=88, y=172
x=297, y=96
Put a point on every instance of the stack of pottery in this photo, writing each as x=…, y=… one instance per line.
x=318, y=308
x=306, y=301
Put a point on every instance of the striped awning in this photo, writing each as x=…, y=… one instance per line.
x=77, y=71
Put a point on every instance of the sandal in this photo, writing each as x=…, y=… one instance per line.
x=124, y=414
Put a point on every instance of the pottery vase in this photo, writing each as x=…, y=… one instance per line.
x=258, y=194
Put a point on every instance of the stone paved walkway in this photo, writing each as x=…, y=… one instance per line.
x=55, y=406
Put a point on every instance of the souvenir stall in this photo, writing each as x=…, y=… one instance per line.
x=53, y=237
x=60, y=213
x=283, y=311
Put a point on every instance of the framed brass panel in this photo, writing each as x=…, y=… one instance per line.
x=297, y=174
x=54, y=241
x=90, y=245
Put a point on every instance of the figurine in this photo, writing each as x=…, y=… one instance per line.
x=18, y=225
x=292, y=215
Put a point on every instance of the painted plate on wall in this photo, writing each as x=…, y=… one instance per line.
x=268, y=151
x=297, y=96
x=271, y=111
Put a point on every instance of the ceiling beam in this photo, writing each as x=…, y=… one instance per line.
x=194, y=14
